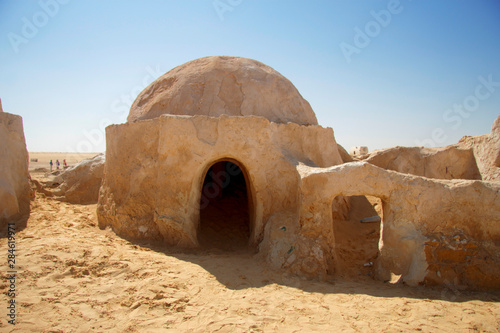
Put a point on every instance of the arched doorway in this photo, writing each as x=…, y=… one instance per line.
x=224, y=208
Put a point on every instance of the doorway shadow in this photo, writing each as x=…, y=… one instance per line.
x=224, y=208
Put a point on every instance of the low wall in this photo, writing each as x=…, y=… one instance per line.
x=15, y=190
x=433, y=231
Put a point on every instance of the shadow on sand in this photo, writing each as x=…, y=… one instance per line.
x=244, y=269
x=16, y=223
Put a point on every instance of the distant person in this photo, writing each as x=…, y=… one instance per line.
x=51, y=164
x=65, y=164
x=58, y=164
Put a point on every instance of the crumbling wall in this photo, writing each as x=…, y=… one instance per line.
x=434, y=231
x=495, y=139
x=440, y=163
x=129, y=187
x=15, y=190
x=476, y=157
x=486, y=150
x=344, y=154
x=80, y=183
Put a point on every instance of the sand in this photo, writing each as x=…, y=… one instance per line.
x=74, y=277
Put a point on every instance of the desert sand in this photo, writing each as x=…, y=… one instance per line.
x=74, y=277
x=44, y=159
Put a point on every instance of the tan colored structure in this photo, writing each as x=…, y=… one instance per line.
x=476, y=157
x=358, y=151
x=15, y=190
x=441, y=163
x=218, y=131
x=232, y=86
x=153, y=183
x=486, y=150
x=433, y=231
x=80, y=183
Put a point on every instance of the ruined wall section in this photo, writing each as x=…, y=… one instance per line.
x=486, y=150
x=433, y=232
x=307, y=144
x=129, y=186
x=15, y=190
x=476, y=157
x=440, y=163
x=81, y=183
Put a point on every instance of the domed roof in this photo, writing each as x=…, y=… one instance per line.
x=218, y=85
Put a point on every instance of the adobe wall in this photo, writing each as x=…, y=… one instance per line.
x=433, y=232
x=486, y=150
x=15, y=189
x=155, y=170
x=448, y=162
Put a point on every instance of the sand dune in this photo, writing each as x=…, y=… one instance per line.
x=74, y=277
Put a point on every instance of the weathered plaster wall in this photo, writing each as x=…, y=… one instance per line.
x=155, y=169
x=15, y=190
x=434, y=231
x=441, y=163
x=80, y=183
x=486, y=150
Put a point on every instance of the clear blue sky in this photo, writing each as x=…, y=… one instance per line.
x=379, y=73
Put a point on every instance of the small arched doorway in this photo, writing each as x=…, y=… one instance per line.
x=224, y=208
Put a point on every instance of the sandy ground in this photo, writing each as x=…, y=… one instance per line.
x=74, y=277
x=44, y=159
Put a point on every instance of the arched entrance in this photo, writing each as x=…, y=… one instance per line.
x=224, y=207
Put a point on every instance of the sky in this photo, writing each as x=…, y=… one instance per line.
x=380, y=73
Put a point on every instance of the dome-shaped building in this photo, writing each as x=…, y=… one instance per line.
x=233, y=86
x=209, y=156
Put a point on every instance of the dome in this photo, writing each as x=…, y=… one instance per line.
x=218, y=85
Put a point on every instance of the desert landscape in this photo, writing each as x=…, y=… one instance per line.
x=243, y=214
x=250, y=166
x=43, y=160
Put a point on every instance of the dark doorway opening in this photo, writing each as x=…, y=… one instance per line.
x=224, y=208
